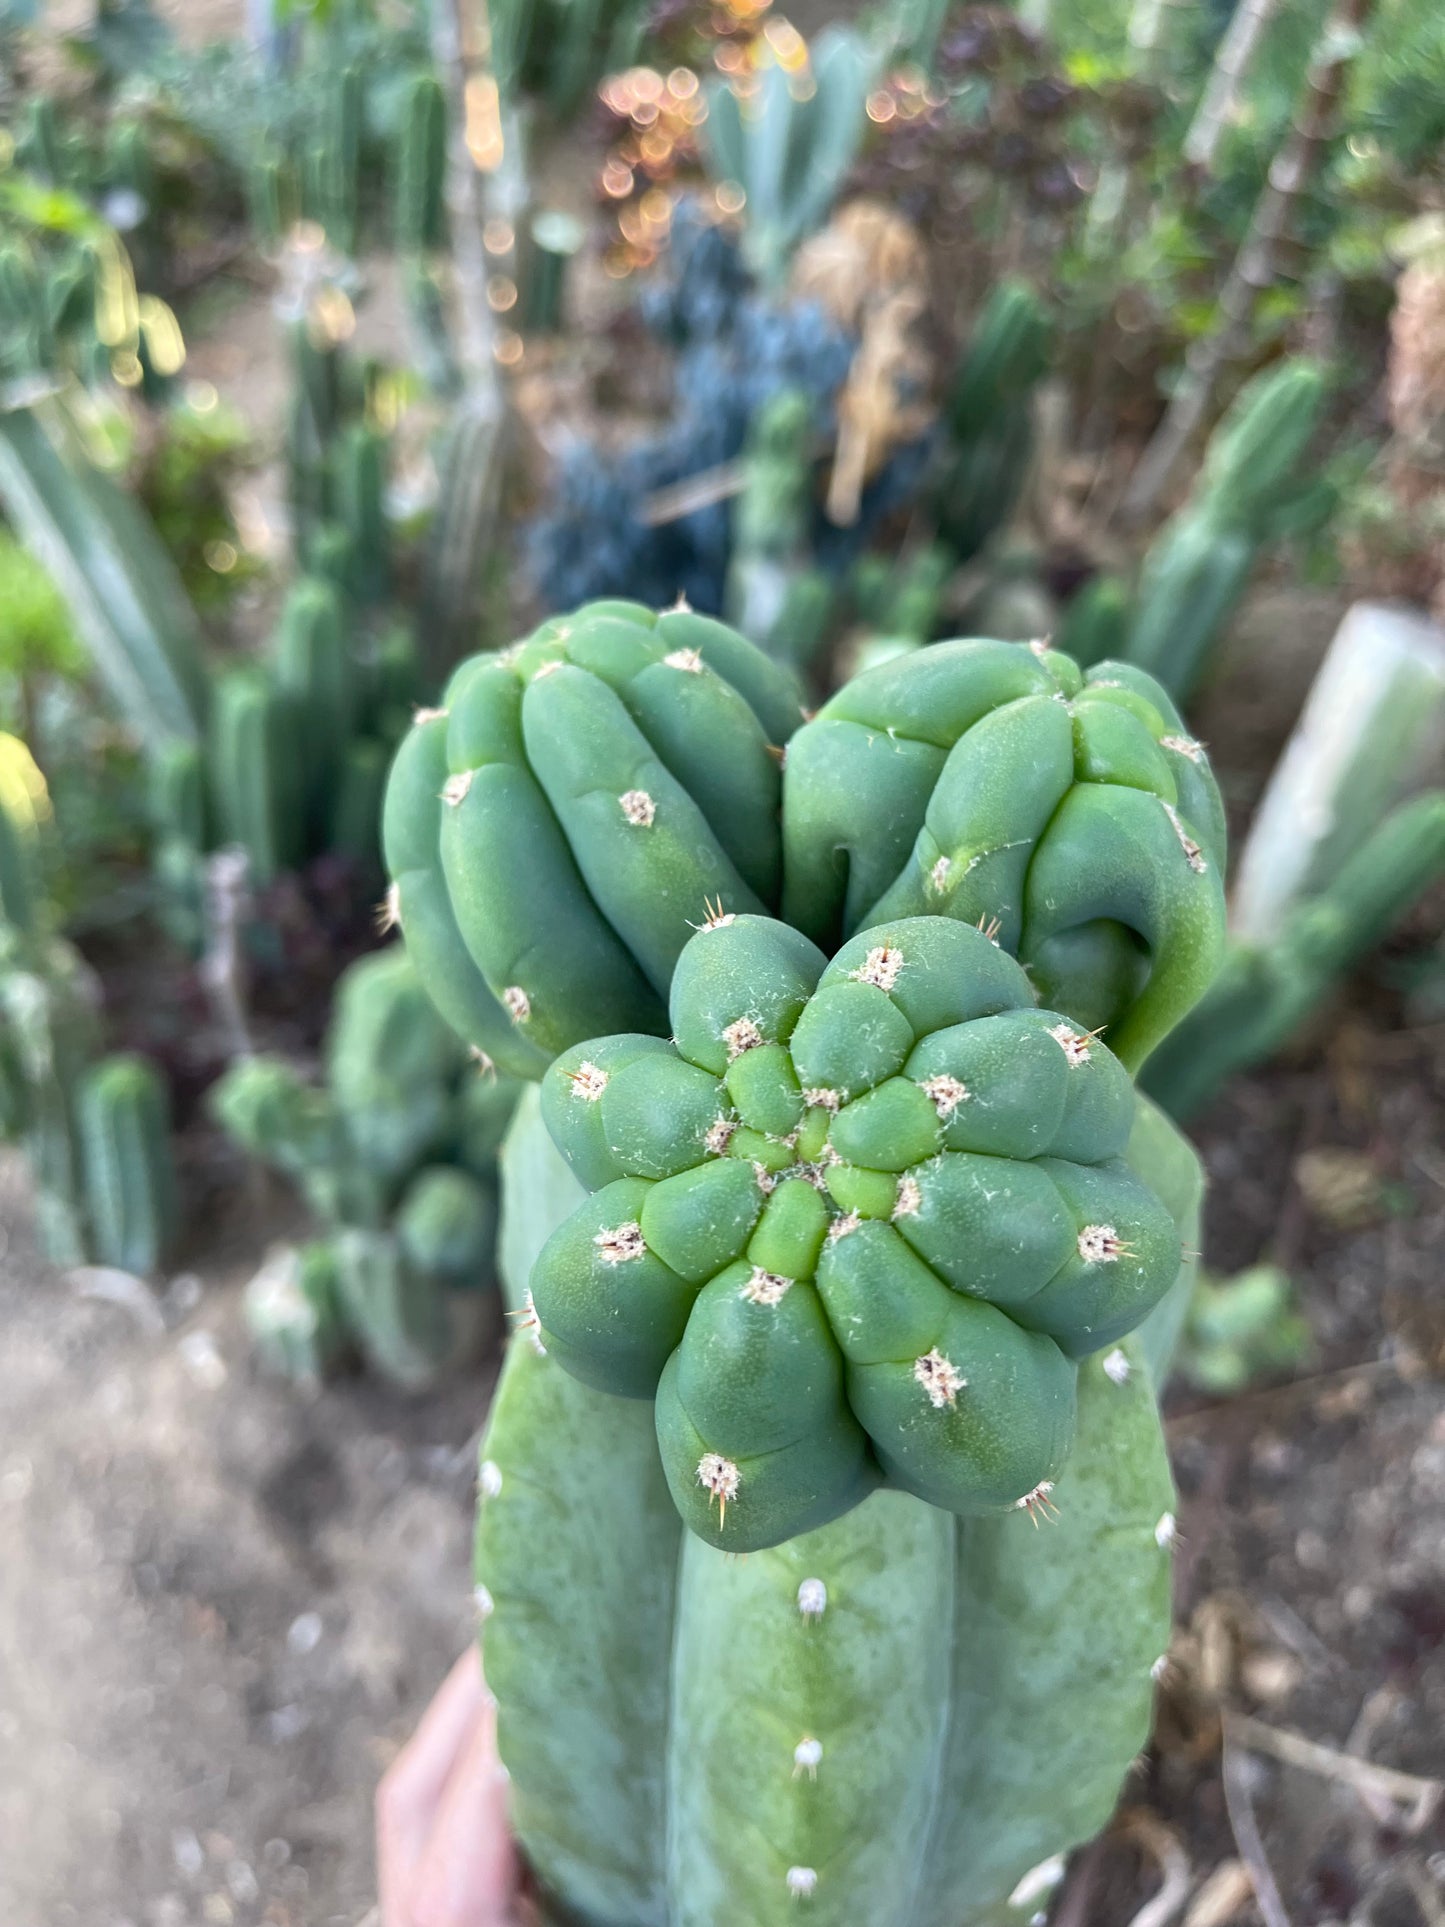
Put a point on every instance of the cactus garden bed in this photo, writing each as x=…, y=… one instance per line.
x=247, y=1600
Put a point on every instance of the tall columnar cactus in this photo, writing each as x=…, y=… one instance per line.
x=359, y=464
x=130, y=1180
x=1267, y=989
x=856, y=1225
x=1069, y=814
x=988, y=419
x=314, y=668
x=419, y=169
x=555, y=831
x=898, y=1715
x=1254, y=489
x=257, y=772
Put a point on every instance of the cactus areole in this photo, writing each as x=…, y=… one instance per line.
x=555, y=828
x=854, y=1227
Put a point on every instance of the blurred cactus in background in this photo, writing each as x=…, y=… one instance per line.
x=396, y=1155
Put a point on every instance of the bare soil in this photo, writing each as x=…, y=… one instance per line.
x=222, y=1605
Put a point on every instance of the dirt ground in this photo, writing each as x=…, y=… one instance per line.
x=222, y=1606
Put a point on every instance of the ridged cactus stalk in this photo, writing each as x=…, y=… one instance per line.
x=854, y=1227
x=865, y=1254
x=130, y=1181
x=1255, y=488
x=556, y=829
x=314, y=668
x=1069, y=814
x=988, y=418
x=258, y=772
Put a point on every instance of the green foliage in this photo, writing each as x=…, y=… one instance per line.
x=1254, y=489
x=184, y=483
x=792, y=145
x=37, y=639
x=125, y=597
x=988, y=417
x=554, y=52
x=1242, y=1329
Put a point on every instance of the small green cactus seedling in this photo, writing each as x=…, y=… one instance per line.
x=555, y=829
x=1067, y=813
x=856, y=1224
x=130, y=1181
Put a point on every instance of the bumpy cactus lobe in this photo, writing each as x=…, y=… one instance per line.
x=810, y=1730
x=130, y=1183
x=598, y=785
x=1068, y=813
x=856, y=1223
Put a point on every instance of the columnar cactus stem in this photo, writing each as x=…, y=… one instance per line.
x=849, y=1723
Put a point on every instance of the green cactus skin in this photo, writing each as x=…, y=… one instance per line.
x=558, y=831
x=989, y=415
x=1068, y=813
x=1264, y=993
x=355, y=811
x=293, y=1313
x=663, y=1743
x=257, y=768
x=1251, y=492
x=124, y=1117
x=48, y=1006
x=419, y=169
x=19, y=894
x=360, y=462
x=446, y=1227
x=401, y=1321
x=313, y=669
x=392, y=1065
x=857, y=1222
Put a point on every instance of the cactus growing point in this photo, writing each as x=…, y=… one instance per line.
x=854, y=1226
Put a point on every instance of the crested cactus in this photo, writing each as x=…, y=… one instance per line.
x=855, y=1226
x=899, y=1733
x=130, y=1181
x=555, y=831
x=1069, y=814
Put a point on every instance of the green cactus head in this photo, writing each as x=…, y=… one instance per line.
x=855, y=1224
x=1069, y=814
x=555, y=830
